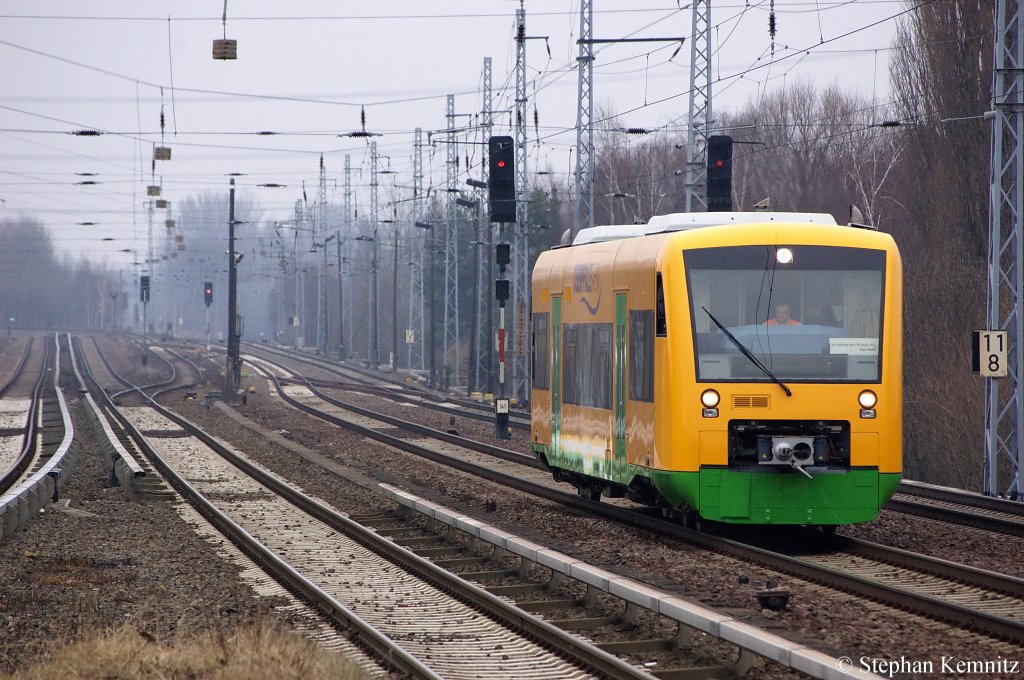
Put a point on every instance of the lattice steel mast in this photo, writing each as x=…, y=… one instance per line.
x=520, y=240
x=452, y=356
x=416, y=263
x=321, y=288
x=346, y=220
x=374, y=352
x=700, y=108
x=1004, y=413
x=584, y=124
x=482, y=327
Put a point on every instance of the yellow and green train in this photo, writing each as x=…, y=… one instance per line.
x=738, y=367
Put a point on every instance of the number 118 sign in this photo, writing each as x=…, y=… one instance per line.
x=989, y=356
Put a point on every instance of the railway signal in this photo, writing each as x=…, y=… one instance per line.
x=501, y=181
x=208, y=293
x=144, y=289
x=719, y=173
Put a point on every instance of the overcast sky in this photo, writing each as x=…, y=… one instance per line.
x=305, y=68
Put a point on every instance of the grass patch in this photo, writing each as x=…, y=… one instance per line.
x=260, y=651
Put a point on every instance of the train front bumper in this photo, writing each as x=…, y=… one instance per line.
x=832, y=497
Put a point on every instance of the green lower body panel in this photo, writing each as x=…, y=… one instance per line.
x=589, y=463
x=778, y=497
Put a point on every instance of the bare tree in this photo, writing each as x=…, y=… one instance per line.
x=941, y=77
x=809, y=150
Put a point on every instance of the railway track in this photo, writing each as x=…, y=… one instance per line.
x=18, y=368
x=31, y=477
x=961, y=598
x=17, y=416
x=640, y=644
x=374, y=383
x=393, y=597
x=959, y=507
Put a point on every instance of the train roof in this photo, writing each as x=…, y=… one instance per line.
x=684, y=221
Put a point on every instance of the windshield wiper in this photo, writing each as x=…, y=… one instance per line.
x=748, y=354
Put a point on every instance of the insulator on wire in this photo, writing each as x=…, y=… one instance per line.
x=772, y=25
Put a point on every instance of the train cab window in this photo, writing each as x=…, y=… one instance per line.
x=660, y=322
x=641, y=355
x=541, y=352
x=807, y=313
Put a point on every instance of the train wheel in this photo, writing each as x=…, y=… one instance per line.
x=588, y=493
x=692, y=520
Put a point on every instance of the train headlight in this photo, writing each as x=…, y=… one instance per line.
x=710, y=398
x=867, y=399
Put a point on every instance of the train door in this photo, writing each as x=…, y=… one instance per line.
x=556, y=377
x=619, y=447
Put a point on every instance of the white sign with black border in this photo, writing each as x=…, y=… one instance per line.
x=989, y=355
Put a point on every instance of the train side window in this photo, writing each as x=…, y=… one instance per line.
x=569, y=364
x=541, y=352
x=641, y=355
x=587, y=365
x=660, y=323
x=601, y=396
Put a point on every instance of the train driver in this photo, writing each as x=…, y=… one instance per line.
x=782, y=316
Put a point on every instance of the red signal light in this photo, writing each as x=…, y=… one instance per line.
x=501, y=164
x=719, y=163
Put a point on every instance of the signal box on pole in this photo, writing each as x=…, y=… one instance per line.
x=719, y=173
x=501, y=181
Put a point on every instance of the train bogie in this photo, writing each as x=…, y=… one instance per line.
x=748, y=372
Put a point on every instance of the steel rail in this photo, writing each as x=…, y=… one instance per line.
x=954, y=571
x=952, y=495
x=30, y=441
x=976, y=510
x=408, y=426
x=956, y=516
x=19, y=368
x=478, y=411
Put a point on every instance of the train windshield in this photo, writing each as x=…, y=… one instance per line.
x=808, y=313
